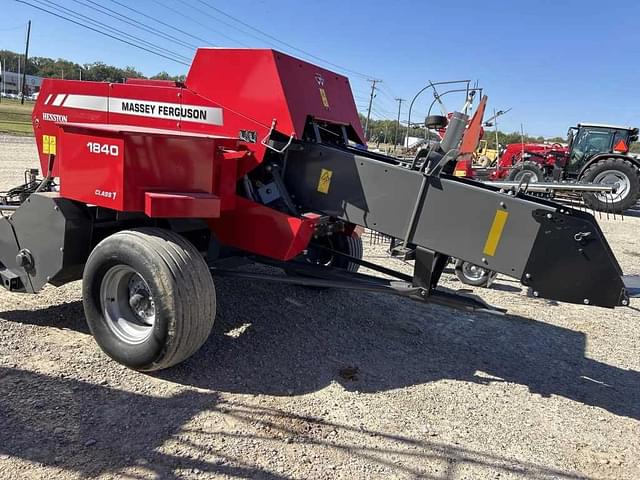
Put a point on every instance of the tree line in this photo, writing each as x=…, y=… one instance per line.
x=61, y=68
x=384, y=131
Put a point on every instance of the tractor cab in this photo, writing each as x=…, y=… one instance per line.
x=588, y=140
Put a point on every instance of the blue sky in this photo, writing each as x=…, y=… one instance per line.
x=555, y=63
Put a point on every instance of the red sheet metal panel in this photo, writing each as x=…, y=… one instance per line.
x=263, y=230
x=181, y=205
x=115, y=167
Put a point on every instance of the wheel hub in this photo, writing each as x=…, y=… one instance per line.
x=472, y=271
x=127, y=304
x=616, y=179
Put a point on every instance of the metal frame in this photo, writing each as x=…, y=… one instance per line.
x=309, y=275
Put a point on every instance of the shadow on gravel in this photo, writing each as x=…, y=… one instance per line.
x=270, y=340
x=96, y=430
x=633, y=211
x=291, y=342
x=93, y=429
x=65, y=315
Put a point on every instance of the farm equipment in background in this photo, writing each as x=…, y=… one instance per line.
x=596, y=155
x=152, y=189
x=485, y=154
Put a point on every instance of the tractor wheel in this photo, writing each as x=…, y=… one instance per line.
x=471, y=274
x=148, y=297
x=617, y=172
x=526, y=169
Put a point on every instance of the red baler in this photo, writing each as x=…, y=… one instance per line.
x=150, y=187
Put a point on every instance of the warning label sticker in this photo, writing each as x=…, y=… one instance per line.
x=325, y=181
x=323, y=96
x=49, y=144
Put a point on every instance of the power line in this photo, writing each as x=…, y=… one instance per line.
x=292, y=47
x=230, y=25
x=208, y=27
x=113, y=29
x=100, y=32
x=195, y=37
x=139, y=25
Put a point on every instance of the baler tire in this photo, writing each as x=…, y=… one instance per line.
x=519, y=170
x=172, y=273
x=627, y=173
x=353, y=248
x=348, y=244
x=462, y=269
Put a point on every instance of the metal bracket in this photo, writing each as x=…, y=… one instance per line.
x=264, y=140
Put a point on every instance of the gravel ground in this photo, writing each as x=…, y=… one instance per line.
x=296, y=383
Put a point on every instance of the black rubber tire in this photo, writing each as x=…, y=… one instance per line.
x=618, y=205
x=348, y=244
x=520, y=169
x=434, y=122
x=481, y=281
x=181, y=286
x=352, y=246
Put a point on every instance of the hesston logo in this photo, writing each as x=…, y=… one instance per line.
x=54, y=117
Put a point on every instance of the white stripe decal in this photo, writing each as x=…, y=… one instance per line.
x=46, y=102
x=57, y=101
x=87, y=102
x=145, y=108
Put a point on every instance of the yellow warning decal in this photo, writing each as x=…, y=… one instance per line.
x=325, y=181
x=49, y=144
x=495, y=232
x=325, y=100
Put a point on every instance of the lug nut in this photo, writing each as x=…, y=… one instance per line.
x=24, y=259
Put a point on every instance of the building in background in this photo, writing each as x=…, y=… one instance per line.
x=12, y=82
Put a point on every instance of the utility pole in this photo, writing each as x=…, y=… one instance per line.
x=80, y=72
x=373, y=91
x=395, y=138
x=1, y=79
x=26, y=56
x=495, y=123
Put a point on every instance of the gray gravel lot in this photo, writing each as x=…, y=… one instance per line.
x=296, y=383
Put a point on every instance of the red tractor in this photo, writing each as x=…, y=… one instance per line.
x=596, y=154
x=513, y=159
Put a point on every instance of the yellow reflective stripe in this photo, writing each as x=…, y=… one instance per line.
x=495, y=233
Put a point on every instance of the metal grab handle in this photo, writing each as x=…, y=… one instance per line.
x=264, y=140
x=524, y=181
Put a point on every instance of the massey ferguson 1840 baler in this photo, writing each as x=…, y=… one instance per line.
x=151, y=189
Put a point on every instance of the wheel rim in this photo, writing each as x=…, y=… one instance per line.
x=524, y=174
x=127, y=304
x=320, y=256
x=616, y=179
x=473, y=272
